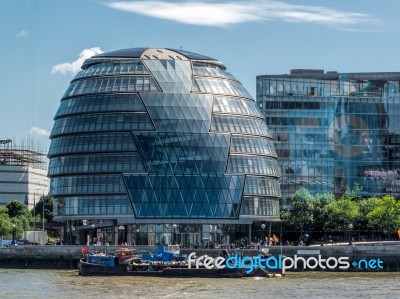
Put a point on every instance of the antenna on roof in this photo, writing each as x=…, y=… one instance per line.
x=180, y=48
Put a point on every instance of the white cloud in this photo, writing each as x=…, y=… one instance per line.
x=22, y=33
x=75, y=66
x=39, y=131
x=360, y=30
x=227, y=13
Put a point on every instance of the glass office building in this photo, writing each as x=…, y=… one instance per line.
x=151, y=143
x=334, y=130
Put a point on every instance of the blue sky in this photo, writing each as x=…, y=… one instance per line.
x=44, y=43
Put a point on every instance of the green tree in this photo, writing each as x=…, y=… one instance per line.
x=340, y=213
x=3, y=210
x=352, y=193
x=19, y=226
x=385, y=215
x=16, y=208
x=300, y=216
x=47, y=201
x=320, y=201
x=365, y=206
x=324, y=198
x=5, y=223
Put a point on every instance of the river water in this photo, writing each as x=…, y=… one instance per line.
x=68, y=284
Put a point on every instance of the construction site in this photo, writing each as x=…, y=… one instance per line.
x=23, y=172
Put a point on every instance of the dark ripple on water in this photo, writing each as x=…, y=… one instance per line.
x=67, y=284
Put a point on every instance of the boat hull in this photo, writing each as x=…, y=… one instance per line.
x=88, y=269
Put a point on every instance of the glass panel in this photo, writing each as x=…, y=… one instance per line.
x=103, y=122
x=252, y=144
x=208, y=71
x=239, y=124
x=111, y=84
x=260, y=185
x=191, y=196
x=179, y=112
x=260, y=206
x=92, y=143
x=173, y=76
x=253, y=164
x=87, y=184
x=219, y=86
x=113, y=67
x=97, y=163
x=92, y=205
x=236, y=106
x=100, y=103
x=183, y=153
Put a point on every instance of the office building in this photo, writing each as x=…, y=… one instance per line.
x=333, y=130
x=149, y=144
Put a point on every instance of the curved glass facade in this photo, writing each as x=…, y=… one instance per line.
x=100, y=103
x=113, y=67
x=161, y=136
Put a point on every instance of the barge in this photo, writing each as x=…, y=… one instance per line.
x=165, y=263
x=168, y=262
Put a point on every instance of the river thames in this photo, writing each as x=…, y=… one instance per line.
x=68, y=284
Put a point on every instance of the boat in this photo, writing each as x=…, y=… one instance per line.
x=106, y=264
x=166, y=262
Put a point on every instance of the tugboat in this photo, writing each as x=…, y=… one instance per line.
x=106, y=264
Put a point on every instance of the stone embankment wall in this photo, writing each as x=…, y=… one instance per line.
x=52, y=256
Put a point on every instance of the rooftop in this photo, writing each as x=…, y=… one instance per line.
x=11, y=155
x=139, y=52
x=333, y=75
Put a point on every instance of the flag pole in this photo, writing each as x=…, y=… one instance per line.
x=43, y=218
x=34, y=220
x=27, y=205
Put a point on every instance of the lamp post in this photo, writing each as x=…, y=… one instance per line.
x=263, y=229
x=92, y=226
x=137, y=236
x=121, y=229
x=350, y=234
x=13, y=234
x=174, y=226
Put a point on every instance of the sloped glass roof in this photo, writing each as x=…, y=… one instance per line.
x=193, y=56
x=128, y=53
x=137, y=53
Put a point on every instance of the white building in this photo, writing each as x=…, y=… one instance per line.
x=23, y=176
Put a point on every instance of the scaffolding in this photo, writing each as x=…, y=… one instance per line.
x=21, y=155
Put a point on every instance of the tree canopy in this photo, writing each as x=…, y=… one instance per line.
x=323, y=213
x=15, y=212
x=47, y=201
x=339, y=214
x=16, y=208
x=385, y=215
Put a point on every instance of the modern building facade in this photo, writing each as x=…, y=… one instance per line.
x=152, y=143
x=334, y=130
x=23, y=174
